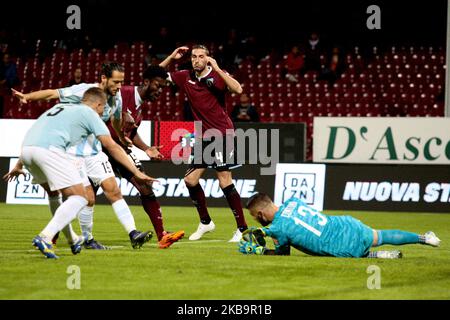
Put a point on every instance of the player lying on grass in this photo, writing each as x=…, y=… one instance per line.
x=310, y=231
x=44, y=155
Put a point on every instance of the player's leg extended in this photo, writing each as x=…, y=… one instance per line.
x=121, y=171
x=66, y=212
x=153, y=209
x=120, y=207
x=234, y=201
x=191, y=179
x=54, y=201
x=399, y=237
x=123, y=213
x=86, y=220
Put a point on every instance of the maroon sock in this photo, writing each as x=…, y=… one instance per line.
x=234, y=201
x=199, y=201
x=153, y=210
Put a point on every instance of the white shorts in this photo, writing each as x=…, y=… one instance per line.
x=53, y=166
x=97, y=168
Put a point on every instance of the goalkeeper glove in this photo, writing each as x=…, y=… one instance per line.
x=247, y=247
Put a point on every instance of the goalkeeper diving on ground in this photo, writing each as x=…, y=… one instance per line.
x=296, y=224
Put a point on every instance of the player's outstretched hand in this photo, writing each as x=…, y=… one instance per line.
x=13, y=174
x=247, y=247
x=153, y=153
x=19, y=95
x=179, y=52
x=255, y=235
x=143, y=178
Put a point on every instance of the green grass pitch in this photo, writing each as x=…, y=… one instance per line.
x=212, y=268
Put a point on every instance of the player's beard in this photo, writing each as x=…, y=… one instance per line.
x=263, y=222
x=110, y=92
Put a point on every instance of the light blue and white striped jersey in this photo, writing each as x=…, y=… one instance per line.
x=91, y=146
x=65, y=125
x=74, y=94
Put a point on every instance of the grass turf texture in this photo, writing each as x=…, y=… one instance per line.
x=212, y=268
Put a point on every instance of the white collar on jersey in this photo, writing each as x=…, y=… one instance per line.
x=137, y=98
x=207, y=74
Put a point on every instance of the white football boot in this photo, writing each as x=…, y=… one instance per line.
x=237, y=236
x=431, y=239
x=202, y=229
x=395, y=254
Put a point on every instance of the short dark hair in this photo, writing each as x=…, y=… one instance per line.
x=256, y=199
x=201, y=46
x=94, y=94
x=153, y=72
x=109, y=67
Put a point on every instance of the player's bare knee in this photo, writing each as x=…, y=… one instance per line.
x=76, y=190
x=90, y=199
x=191, y=181
x=114, y=194
x=224, y=179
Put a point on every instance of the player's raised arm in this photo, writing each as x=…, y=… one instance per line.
x=233, y=85
x=119, y=154
x=178, y=53
x=48, y=94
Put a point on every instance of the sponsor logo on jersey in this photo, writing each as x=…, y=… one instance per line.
x=209, y=82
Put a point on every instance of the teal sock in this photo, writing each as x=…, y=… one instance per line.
x=397, y=237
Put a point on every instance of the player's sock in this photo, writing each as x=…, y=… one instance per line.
x=397, y=237
x=86, y=219
x=66, y=212
x=153, y=210
x=234, y=201
x=54, y=202
x=199, y=200
x=123, y=213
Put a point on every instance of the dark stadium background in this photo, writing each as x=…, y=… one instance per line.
x=275, y=23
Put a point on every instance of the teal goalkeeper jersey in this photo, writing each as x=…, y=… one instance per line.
x=306, y=229
x=65, y=125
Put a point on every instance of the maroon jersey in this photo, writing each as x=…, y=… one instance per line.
x=207, y=98
x=128, y=106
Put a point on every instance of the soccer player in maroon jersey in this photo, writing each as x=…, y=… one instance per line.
x=154, y=79
x=205, y=87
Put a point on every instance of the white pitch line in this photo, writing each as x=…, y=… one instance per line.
x=116, y=247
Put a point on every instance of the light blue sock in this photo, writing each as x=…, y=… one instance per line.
x=397, y=237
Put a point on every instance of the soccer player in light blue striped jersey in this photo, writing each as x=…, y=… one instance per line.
x=94, y=162
x=296, y=224
x=44, y=154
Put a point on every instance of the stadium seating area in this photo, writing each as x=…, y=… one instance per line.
x=406, y=81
